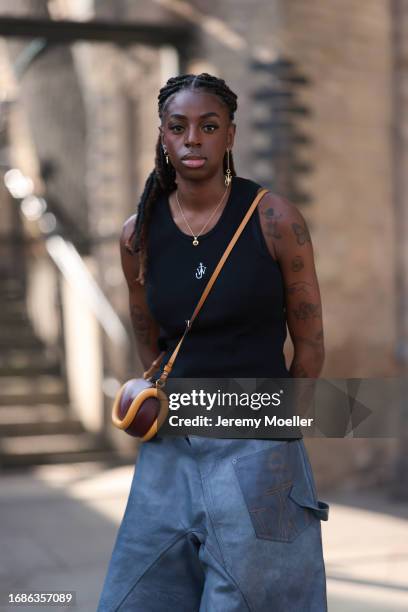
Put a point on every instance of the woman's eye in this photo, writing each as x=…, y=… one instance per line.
x=210, y=127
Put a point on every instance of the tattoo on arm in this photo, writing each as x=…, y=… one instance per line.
x=298, y=286
x=272, y=223
x=141, y=325
x=272, y=229
x=301, y=233
x=297, y=263
x=317, y=345
x=307, y=310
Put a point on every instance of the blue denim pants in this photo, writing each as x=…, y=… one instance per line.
x=219, y=525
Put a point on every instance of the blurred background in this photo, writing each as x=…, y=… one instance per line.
x=323, y=120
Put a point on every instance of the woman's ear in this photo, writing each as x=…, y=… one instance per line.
x=231, y=135
x=161, y=135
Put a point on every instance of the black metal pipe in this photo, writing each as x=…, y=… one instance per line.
x=64, y=31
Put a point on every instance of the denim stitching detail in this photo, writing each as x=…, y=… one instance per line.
x=287, y=528
x=163, y=552
x=206, y=486
x=234, y=582
x=302, y=451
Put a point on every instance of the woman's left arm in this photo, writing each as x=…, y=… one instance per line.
x=288, y=239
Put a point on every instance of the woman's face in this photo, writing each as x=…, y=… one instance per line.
x=196, y=131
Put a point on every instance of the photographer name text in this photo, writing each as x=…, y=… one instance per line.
x=266, y=421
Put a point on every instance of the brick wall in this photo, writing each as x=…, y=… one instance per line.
x=346, y=51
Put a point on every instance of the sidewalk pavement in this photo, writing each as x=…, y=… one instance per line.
x=58, y=525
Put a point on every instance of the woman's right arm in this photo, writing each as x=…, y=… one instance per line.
x=145, y=328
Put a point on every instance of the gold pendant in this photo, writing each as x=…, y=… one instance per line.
x=195, y=242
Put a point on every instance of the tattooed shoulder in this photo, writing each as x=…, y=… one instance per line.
x=301, y=233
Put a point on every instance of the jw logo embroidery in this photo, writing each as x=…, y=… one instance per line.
x=200, y=271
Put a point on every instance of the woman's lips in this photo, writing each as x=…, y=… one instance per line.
x=193, y=163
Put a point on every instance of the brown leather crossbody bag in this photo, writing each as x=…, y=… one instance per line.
x=141, y=406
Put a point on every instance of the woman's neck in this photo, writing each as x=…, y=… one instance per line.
x=198, y=196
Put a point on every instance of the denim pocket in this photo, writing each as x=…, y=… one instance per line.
x=278, y=492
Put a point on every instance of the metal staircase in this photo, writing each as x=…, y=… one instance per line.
x=37, y=425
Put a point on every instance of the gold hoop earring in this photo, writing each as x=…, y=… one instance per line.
x=228, y=173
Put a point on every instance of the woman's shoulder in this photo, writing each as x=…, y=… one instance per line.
x=272, y=203
x=127, y=233
x=129, y=257
x=280, y=220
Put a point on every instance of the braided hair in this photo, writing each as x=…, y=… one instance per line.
x=162, y=179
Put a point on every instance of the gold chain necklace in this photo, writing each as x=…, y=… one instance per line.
x=195, y=236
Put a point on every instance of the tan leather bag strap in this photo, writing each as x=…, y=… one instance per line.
x=168, y=367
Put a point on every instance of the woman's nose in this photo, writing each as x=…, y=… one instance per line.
x=192, y=137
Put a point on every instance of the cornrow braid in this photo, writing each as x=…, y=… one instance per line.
x=162, y=179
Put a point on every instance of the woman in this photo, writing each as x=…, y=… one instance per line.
x=218, y=525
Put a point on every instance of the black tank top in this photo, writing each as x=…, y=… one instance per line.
x=241, y=329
